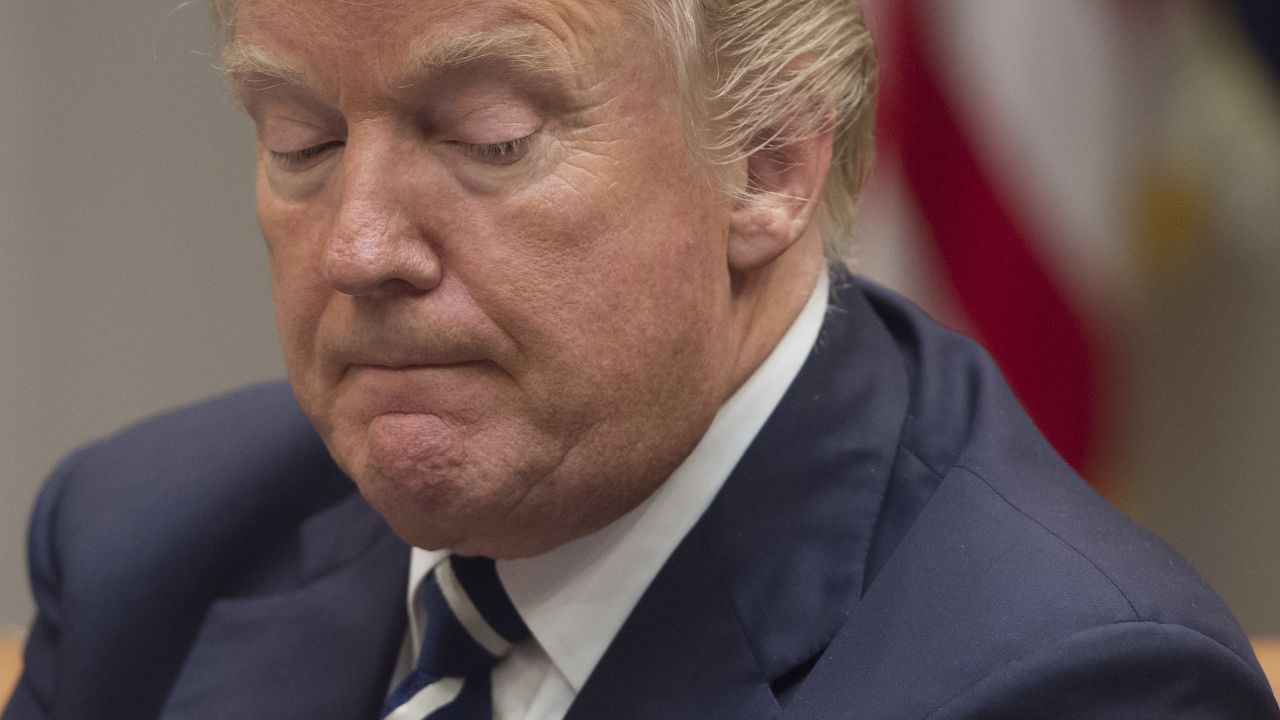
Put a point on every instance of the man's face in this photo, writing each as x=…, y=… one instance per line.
x=500, y=279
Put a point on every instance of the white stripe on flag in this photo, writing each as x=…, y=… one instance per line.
x=1053, y=98
x=466, y=612
x=428, y=700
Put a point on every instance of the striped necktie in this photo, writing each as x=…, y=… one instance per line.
x=471, y=625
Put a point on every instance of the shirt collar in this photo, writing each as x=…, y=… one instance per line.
x=576, y=597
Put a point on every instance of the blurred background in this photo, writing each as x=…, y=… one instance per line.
x=1092, y=188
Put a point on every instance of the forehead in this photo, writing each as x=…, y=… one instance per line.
x=382, y=40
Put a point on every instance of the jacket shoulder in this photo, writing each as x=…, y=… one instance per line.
x=148, y=549
x=987, y=461
x=169, y=493
x=1125, y=670
x=245, y=424
x=1005, y=561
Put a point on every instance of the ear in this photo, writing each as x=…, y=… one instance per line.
x=785, y=180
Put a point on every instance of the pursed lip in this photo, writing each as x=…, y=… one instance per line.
x=412, y=387
x=383, y=347
x=367, y=352
x=406, y=360
x=408, y=366
x=405, y=364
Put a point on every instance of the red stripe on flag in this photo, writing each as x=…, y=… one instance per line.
x=1018, y=311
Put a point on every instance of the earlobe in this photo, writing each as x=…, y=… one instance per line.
x=784, y=186
x=761, y=231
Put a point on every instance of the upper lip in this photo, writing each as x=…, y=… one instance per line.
x=396, y=362
x=397, y=350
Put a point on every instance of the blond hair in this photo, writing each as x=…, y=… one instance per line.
x=762, y=73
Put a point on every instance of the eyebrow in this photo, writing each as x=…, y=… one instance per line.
x=524, y=49
x=519, y=46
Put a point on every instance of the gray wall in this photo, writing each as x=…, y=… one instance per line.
x=132, y=277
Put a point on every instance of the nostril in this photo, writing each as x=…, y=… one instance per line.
x=354, y=271
x=388, y=259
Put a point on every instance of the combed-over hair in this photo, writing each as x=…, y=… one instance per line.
x=762, y=73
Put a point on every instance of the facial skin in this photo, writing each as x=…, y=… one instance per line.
x=506, y=293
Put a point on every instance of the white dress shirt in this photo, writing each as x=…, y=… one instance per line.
x=575, y=598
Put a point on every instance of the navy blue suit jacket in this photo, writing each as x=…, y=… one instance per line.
x=898, y=542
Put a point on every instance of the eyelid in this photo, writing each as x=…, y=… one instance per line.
x=300, y=159
x=293, y=133
x=505, y=152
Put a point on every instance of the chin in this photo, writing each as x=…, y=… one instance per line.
x=437, y=500
x=497, y=516
x=428, y=512
x=467, y=530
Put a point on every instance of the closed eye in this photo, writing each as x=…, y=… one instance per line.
x=507, y=152
x=298, y=159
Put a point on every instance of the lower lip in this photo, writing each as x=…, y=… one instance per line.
x=414, y=388
x=411, y=367
x=401, y=374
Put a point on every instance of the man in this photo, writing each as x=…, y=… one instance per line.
x=550, y=281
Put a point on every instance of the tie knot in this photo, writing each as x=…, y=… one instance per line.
x=471, y=623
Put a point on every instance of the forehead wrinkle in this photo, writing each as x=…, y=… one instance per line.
x=546, y=44
x=521, y=47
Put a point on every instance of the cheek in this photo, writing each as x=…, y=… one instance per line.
x=605, y=290
x=297, y=284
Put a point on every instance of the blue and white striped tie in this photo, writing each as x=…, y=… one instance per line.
x=471, y=625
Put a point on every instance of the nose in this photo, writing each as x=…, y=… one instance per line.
x=377, y=245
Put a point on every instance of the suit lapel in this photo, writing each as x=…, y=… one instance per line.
x=324, y=648
x=681, y=653
x=794, y=524
x=769, y=574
